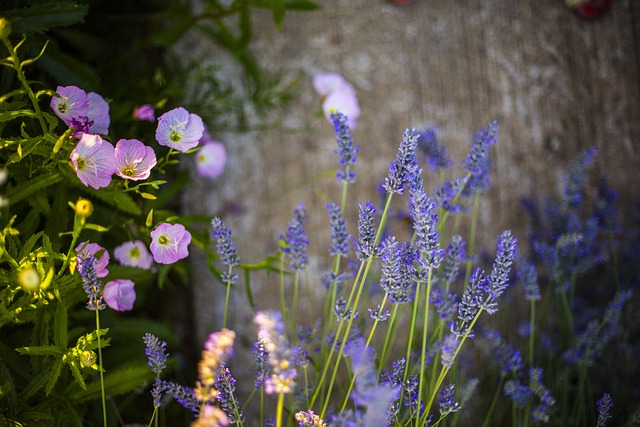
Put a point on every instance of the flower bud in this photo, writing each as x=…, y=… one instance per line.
x=29, y=279
x=84, y=208
x=5, y=28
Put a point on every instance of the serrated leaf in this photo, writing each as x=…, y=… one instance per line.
x=45, y=15
x=60, y=326
x=28, y=245
x=27, y=188
x=77, y=375
x=116, y=382
x=42, y=350
x=54, y=374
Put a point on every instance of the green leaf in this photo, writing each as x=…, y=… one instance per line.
x=27, y=188
x=60, y=326
x=54, y=374
x=247, y=286
x=77, y=375
x=42, y=350
x=45, y=15
x=68, y=70
x=116, y=382
x=26, y=248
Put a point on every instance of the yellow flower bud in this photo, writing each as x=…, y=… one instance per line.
x=84, y=207
x=29, y=279
x=5, y=28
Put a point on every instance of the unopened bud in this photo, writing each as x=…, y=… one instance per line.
x=84, y=208
x=5, y=28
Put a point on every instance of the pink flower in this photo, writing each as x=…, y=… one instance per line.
x=211, y=159
x=144, y=112
x=179, y=129
x=99, y=253
x=86, y=113
x=169, y=243
x=94, y=161
x=119, y=294
x=338, y=95
x=71, y=104
x=134, y=160
x=98, y=114
x=133, y=254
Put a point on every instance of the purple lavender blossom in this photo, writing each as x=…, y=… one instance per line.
x=449, y=347
x=519, y=393
x=425, y=222
x=339, y=238
x=444, y=302
x=100, y=254
x=472, y=298
x=120, y=294
x=225, y=384
x=400, y=168
x=225, y=247
x=455, y=254
x=156, y=352
x=133, y=254
x=90, y=282
x=134, y=160
x=169, y=243
x=341, y=311
x=526, y=272
x=346, y=149
x=379, y=314
x=282, y=369
x=477, y=161
x=179, y=129
x=604, y=405
x=185, y=396
x=431, y=150
x=448, y=402
x=309, y=419
x=509, y=359
x=574, y=182
x=94, y=161
x=542, y=411
x=498, y=280
x=365, y=247
x=262, y=365
x=296, y=240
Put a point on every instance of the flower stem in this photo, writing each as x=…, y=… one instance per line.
x=104, y=402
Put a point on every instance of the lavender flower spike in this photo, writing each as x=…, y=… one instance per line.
x=90, y=282
x=346, y=149
x=477, y=161
x=365, y=247
x=339, y=237
x=425, y=221
x=604, y=405
x=296, y=240
x=156, y=353
x=498, y=280
x=225, y=248
x=399, y=169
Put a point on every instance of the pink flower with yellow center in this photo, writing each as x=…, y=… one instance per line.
x=134, y=160
x=119, y=294
x=169, y=243
x=133, y=254
x=179, y=129
x=94, y=161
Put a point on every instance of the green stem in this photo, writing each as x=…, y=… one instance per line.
x=226, y=301
x=279, y=409
x=104, y=401
x=425, y=329
x=391, y=328
x=494, y=401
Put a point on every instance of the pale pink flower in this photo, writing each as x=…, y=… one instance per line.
x=144, y=112
x=134, y=160
x=179, y=129
x=100, y=254
x=338, y=95
x=119, y=294
x=98, y=114
x=71, y=104
x=210, y=160
x=94, y=161
x=133, y=254
x=169, y=243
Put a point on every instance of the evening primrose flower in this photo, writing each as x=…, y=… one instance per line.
x=29, y=279
x=119, y=294
x=338, y=95
x=134, y=160
x=179, y=129
x=101, y=255
x=144, y=112
x=71, y=104
x=94, y=161
x=133, y=254
x=211, y=159
x=169, y=243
